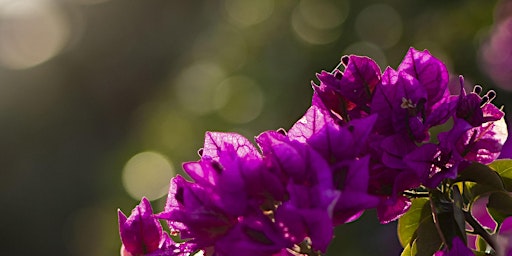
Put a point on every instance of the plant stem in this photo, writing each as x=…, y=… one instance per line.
x=414, y=194
x=478, y=229
x=436, y=221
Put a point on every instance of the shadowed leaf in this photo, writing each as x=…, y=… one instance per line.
x=482, y=175
x=504, y=168
x=428, y=241
x=410, y=221
x=500, y=206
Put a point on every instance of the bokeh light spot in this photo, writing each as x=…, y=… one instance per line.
x=379, y=24
x=222, y=44
x=31, y=32
x=160, y=126
x=239, y=99
x=322, y=14
x=248, y=12
x=318, y=22
x=195, y=86
x=147, y=174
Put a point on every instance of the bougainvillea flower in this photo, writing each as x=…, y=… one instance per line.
x=468, y=107
x=393, y=208
x=300, y=222
x=300, y=163
x=196, y=213
x=403, y=106
x=169, y=248
x=458, y=249
x=141, y=233
x=475, y=109
x=464, y=142
x=232, y=167
x=334, y=142
x=348, y=94
x=351, y=178
x=413, y=98
x=310, y=189
x=506, y=150
x=344, y=148
x=308, y=213
x=225, y=183
x=296, y=160
x=479, y=131
x=254, y=235
x=430, y=72
x=481, y=144
x=397, y=99
x=433, y=163
x=394, y=148
x=389, y=184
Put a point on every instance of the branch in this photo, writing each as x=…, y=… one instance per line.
x=480, y=230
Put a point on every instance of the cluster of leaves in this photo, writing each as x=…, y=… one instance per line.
x=451, y=212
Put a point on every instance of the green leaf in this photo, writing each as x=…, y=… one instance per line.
x=472, y=190
x=482, y=175
x=500, y=206
x=409, y=250
x=501, y=201
x=481, y=244
x=478, y=179
x=458, y=214
x=428, y=241
x=504, y=168
x=448, y=215
x=410, y=221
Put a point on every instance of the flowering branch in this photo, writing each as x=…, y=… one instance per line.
x=364, y=143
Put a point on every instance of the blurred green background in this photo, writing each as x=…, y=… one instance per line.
x=101, y=101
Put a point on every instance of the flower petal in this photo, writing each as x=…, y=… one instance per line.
x=429, y=71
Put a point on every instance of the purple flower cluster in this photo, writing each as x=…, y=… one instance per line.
x=364, y=143
x=398, y=108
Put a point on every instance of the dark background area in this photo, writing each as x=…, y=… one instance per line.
x=86, y=85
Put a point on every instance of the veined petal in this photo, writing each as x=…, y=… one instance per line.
x=483, y=144
x=141, y=232
x=429, y=71
x=392, y=210
x=314, y=120
x=383, y=101
x=196, y=212
x=255, y=234
x=359, y=79
x=394, y=149
x=216, y=142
